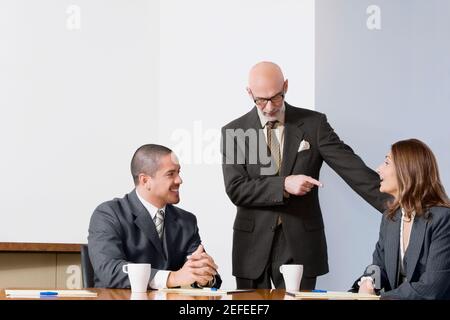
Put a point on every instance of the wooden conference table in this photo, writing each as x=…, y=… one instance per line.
x=125, y=294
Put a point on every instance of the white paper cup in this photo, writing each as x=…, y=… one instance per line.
x=292, y=274
x=139, y=275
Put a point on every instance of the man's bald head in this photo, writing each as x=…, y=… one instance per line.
x=264, y=75
x=266, y=83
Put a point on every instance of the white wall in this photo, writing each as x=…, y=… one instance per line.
x=75, y=104
x=207, y=49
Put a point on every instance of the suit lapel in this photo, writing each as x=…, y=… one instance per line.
x=171, y=230
x=254, y=123
x=392, y=247
x=415, y=245
x=145, y=223
x=293, y=135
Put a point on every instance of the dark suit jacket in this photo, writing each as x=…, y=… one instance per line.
x=427, y=258
x=259, y=199
x=122, y=231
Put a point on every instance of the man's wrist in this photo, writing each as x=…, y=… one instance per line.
x=286, y=194
x=210, y=283
x=172, y=280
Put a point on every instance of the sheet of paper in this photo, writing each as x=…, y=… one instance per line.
x=333, y=295
x=49, y=293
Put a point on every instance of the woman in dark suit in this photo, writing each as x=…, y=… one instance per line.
x=412, y=256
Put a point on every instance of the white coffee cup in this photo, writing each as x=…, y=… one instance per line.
x=292, y=274
x=139, y=275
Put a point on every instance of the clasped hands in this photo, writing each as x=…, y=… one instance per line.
x=366, y=286
x=199, y=267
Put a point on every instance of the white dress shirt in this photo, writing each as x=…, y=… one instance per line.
x=159, y=281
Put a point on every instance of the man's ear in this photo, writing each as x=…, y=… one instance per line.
x=145, y=181
x=286, y=85
x=249, y=92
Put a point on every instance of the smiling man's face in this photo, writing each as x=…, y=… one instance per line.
x=165, y=183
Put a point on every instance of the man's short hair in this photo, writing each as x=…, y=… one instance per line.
x=146, y=160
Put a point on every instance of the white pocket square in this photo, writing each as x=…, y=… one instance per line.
x=304, y=145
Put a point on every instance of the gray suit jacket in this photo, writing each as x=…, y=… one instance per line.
x=259, y=198
x=122, y=231
x=427, y=258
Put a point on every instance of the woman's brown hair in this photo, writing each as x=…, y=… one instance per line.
x=419, y=185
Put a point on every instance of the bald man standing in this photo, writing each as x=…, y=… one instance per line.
x=272, y=157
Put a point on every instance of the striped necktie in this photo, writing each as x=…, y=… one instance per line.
x=274, y=146
x=273, y=143
x=159, y=222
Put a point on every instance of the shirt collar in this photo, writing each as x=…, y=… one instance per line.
x=150, y=208
x=280, y=117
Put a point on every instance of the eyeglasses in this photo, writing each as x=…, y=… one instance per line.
x=276, y=99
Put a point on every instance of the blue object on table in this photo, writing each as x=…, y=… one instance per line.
x=48, y=293
x=210, y=289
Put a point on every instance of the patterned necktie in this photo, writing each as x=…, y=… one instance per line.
x=273, y=143
x=159, y=222
x=274, y=146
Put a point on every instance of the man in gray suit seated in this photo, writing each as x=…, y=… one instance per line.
x=145, y=227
